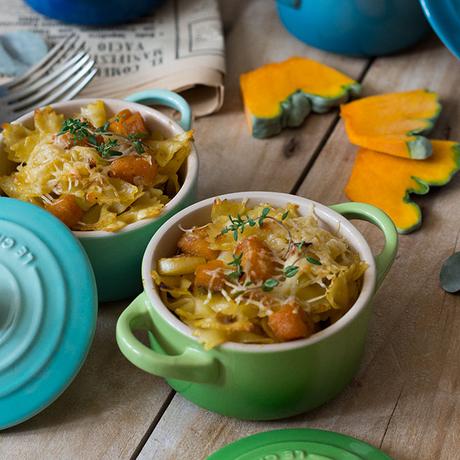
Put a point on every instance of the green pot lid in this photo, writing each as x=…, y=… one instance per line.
x=300, y=444
x=48, y=309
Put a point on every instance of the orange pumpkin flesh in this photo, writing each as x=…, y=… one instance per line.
x=392, y=123
x=282, y=94
x=387, y=181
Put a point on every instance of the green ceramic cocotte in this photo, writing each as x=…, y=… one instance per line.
x=250, y=381
x=116, y=257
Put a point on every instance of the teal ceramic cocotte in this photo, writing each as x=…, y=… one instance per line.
x=116, y=257
x=355, y=27
x=251, y=381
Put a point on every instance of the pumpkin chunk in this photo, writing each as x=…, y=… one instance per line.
x=66, y=209
x=282, y=94
x=256, y=259
x=387, y=181
x=134, y=169
x=290, y=322
x=211, y=275
x=195, y=242
x=393, y=123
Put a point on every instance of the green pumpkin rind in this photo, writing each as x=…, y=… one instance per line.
x=297, y=107
x=420, y=148
x=425, y=188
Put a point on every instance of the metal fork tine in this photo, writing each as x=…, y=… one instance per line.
x=73, y=92
x=61, y=73
x=55, y=95
x=43, y=70
x=31, y=72
x=39, y=97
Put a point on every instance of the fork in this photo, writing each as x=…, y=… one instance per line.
x=59, y=76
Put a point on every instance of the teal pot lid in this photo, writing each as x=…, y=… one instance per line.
x=299, y=444
x=48, y=309
x=444, y=17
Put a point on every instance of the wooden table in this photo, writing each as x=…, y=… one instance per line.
x=406, y=397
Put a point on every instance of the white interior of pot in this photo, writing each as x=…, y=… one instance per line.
x=164, y=244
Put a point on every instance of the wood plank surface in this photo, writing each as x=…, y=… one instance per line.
x=405, y=399
x=231, y=160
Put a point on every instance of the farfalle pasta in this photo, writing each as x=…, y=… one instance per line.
x=259, y=274
x=93, y=171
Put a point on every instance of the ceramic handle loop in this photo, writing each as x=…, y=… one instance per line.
x=168, y=99
x=377, y=217
x=193, y=365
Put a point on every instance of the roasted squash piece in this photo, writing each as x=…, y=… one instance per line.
x=211, y=275
x=66, y=209
x=195, y=243
x=135, y=125
x=393, y=123
x=282, y=94
x=257, y=259
x=134, y=169
x=126, y=122
x=387, y=181
x=290, y=322
x=116, y=122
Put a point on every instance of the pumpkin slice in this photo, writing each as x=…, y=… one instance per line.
x=282, y=94
x=393, y=123
x=387, y=181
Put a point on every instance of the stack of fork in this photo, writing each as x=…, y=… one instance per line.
x=59, y=76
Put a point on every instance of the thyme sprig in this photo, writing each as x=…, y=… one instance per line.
x=82, y=130
x=236, y=262
x=136, y=142
x=107, y=149
x=239, y=223
x=78, y=128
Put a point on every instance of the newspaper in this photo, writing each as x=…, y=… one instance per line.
x=178, y=47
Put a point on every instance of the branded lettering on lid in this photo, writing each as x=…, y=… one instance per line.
x=18, y=250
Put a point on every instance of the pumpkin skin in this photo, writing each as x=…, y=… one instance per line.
x=282, y=94
x=387, y=181
x=393, y=123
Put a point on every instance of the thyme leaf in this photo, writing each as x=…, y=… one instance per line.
x=290, y=271
x=313, y=261
x=269, y=284
x=236, y=262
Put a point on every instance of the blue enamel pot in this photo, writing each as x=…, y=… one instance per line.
x=355, y=27
x=94, y=12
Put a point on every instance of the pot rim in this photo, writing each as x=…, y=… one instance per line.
x=354, y=236
x=191, y=161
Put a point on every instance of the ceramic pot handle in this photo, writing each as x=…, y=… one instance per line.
x=168, y=99
x=377, y=217
x=193, y=365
